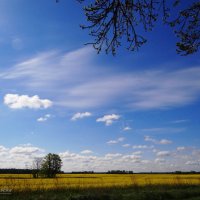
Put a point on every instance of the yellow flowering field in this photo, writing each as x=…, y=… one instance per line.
x=24, y=182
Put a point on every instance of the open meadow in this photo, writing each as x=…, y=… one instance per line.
x=101, y=186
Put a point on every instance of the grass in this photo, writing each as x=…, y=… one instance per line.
x=102, y=187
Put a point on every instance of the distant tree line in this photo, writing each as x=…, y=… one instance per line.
x=119, y=172
x=15, y=171
x=83, y=172
x=38, y=173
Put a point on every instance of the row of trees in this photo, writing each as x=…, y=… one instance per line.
x=48, y=166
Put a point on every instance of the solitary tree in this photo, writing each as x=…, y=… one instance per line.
x=51, y=165
x=113, y=21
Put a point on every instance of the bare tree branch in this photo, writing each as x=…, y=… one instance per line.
x=111, y=22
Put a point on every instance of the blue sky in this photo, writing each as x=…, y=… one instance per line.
x=136, y=111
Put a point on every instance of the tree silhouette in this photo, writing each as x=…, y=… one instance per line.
x=114, y=21
x=51, y=165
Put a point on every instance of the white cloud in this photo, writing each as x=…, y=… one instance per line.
x=112, y=142
x=162, y=141
x=127, y=128
x=81, y=115
x=86, y=151
x=180, y=121
x=3, y=149
x=24, y=150
x=149, y=139
x=155, y=91
x=120, y=139
x=137, y=152
x=160, y=160
x=22, y=156
x=181, y=148
x=134, y=158
x=163, y=130
x=16, y=101
x=141, y=147
x=45, y=118
x=193, y=163
x=108, y=119
x=112, y=155
x=126, y=145
x=53, y=72
x=163, y=153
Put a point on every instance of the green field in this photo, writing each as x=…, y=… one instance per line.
x=101, y=186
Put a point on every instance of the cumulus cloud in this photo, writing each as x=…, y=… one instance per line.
x=149, y=139
x=160, y=160
x=193, y=162
x=142, y=147
x=22, y=156
x=127, y=128
x=112, y=142
x=181, y=148
x=112, y=155
x=86, y=151
x=16, y=101
x=44, y=118
x=3, y=149
x=132, y=158
x=137, y=152
x=120, y=139
x=81, y=115
x=108, y=119
x=162, y=141
x=163, y=153
x=126, y=145
x=24, y=150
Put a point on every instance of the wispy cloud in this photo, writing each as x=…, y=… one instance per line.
x=69, y=77
x=163, y=130
x=108, y=119
x=81, y=115
x=17, y=43
x=180, y=121
x=16, y=101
